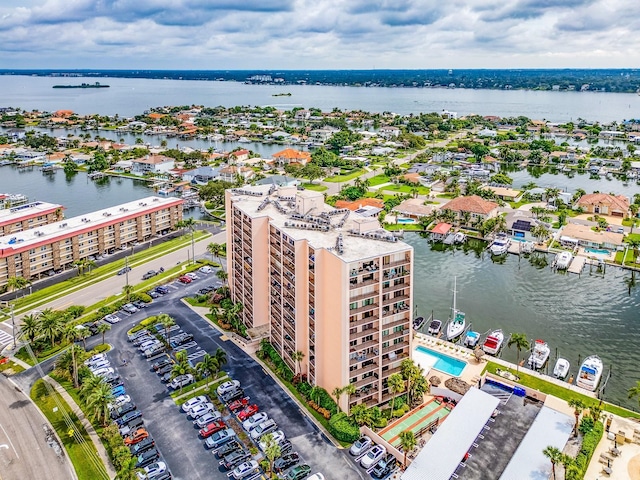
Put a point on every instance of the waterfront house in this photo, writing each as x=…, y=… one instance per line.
x=604, y=204
x=477, y=208
x=233, y=172
x=414, y=208
x=239, y=155
x=389, y=131
x=505, y=194
x=440, y=232
x=361, y=203
x=201, y=175
x=581, y=235
x=290, y=156
x=520, y=223
x=152, y=164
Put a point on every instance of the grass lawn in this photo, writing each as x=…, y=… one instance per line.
x=199, y=384
x=345, y=178
x=633, y=237
x=23, y=355
x=316, y=187
x=85, y=469
x=378, y=180
x=560, y=392
x=628, y=221
x=198, y=390
x=407, y=227
x=516, y=205
x=400, y=188
x=446, y=195
x=374, y=195
x=11, y=368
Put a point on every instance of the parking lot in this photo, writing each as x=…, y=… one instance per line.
x=175, y=436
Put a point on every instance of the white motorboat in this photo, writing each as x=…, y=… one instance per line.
x=434, y=326
x=563, y=260
x=459, y=237
x=457, y=321
x=528, y=247
x=590, y=373
x=561, y=370
x=418, y=322
x=493, y=342
x=539, y=355
x=500, y=245
x=471, y=339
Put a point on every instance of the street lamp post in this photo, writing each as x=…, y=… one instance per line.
x=126, y=270
x=13, y=327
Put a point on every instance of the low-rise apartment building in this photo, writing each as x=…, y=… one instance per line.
x=328, y=282
x=29, y=215
x=55, y=246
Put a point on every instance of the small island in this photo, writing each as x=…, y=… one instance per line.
x=281, y=94
x=83, y=85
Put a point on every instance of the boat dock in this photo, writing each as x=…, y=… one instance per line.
x=577, y=264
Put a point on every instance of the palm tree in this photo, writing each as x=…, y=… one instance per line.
x=396, y=385
x=297, y=357
x=635, y=391
x=208, y=367
x=98, y=401
x=30, y=328
x=578, y=406
x=337, y=393
x=221, y=357
x=190, y=225
x=222, y=275
x=272, y=449
x=127, y=290
x=349, y=390
x=166, y=321
x=555, y=456
x=68, y=363
x=407, y=443
x=180, y=368
x=103, y=328
x=215, y=249
x=51, y=325
x=89, y=383
x=71, y=333
x=83, y=334
x=518, y=340
x=16, y=283
x=407, y=370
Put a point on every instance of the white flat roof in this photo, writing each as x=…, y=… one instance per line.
x=32, y=209
x=45, y=234
x=550, y=428
x=441, y=456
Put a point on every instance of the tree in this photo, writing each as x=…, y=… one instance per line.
x=167, y=322
x=407, y=443
x=208, y=367
x=30, y=328
x=408, y=371
x=222, y=275
x=127, y=290
x=555, y=456
x=51, y=324
x=221, y=357
x=215, y=249
x=70, y=333
x=69, y=363
x=129, y=470
x=578, y=406
x=272, y=449
x=518, y=340
x=312, y=171
x=103, y=328
x=16, y=283
x=349, y=390
x=98, y=401
x=297, y=357
x=337, y=393
x=190, y=225
x=635, y=391
x=395, y=382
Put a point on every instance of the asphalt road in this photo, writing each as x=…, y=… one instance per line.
x=24, y=453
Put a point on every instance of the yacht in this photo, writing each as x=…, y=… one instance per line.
x=471, y=339
x=434, y=326
x=418, y=322
x=493, y=342
x=563, y=260
x=590, y=373
x=539, y=355
x=500, y=245
x=457, y=322
x=561, y=370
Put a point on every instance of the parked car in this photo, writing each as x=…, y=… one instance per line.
x=162, y=363
x=113, y=380
x=154, y=350
x=204, y=291
x=136, y=437
x=119, y=401
x=239, y=404
x=384, y=467
x=286, y=461
x=184, y=279
x=201, y=409
x=193, y=402
x=243, y=470
x=162, y=290
x=121, y=410
x=140, y=339
x=111, y=318
x=131, y=426
x=129, y=308
x=264, y=428
x=153, y=471
x=373, y=456
x=96, y=358
x=142, y=446
x=181, y=381
x=206, y=269
x=299, y=472
x=127, y=417
x=228, y=387
x=360, y=446
x=164, y=370
x=232, y=396
x=135, y=335
x=231, y=460
x=147, y=457
x=212, y=428
x=316, y=476
x=139, y=304
x=153, y=294
x=254, y=421
x=248, y=412
x=117, y=391
x=124, y=270
x=149, y=274
x=285, y=447
x=203, y=420
x=277, y=436
x=148, y=344
x=98, y=365
x=102, y=372
x=220, y=438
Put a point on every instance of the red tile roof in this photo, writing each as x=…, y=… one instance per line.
x=618, y=203
x=442, y=228
x=472, y=204
x=362, y=202
x=291, y=154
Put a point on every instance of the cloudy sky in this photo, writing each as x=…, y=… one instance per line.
x=319, y=34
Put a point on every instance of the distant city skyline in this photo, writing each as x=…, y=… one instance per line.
x=324, y=34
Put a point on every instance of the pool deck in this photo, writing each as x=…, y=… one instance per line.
x=415, y=420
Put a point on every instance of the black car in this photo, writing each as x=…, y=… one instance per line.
x=126, y=408
x=161, y=363
x=147, y=458
x=153, y=294
x=133, y=424
x=384, y=467
x=124, y=270
x=113, y=380
x=139, y=304
x=127, y=417
x=285, y=448
x=203, y=291
x=162, y=290
x=234, y=459
x=286, y=461
x=227, y=448
x=142, y=446
x=92, y=327
x=164, y=370
x=232, y=395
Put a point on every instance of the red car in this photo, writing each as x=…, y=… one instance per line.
x=248, y=412
x=184, y=279
x=239, y=404
x=136, y=437
x=212, y=428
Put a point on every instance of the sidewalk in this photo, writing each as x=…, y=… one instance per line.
x=102, y=453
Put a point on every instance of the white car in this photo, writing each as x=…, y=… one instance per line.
x=148, y=344
x=200, y=410
x=229, y=386
x=254, y=421
x=360, y=446
x=98, y=365
x=110, y=318
x=316, y=476
x=181, y=381
x=373, y=456
x=207, y=418
x=192, y=402
x=192, y=275
x=119, y=401
x=278, y=438
x=243, y=470
x=264, y=428
x=206, y=269
x=96, y=358
x=152, y=470
x=103, y=372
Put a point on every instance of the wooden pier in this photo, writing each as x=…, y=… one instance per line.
x=577, y=264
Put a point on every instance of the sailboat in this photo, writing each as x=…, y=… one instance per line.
x=457, y=322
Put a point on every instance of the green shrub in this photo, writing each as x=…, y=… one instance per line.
x=589, y=443
x=304, y=388
x=143, y=297
x=147, y=322
x=343, y=428
x=103, y=347
x=75, y=311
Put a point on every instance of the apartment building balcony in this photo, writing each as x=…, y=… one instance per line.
x=405, y=261
x=393, y=348
x=363, y=333
x=363, y=321
x=354, y=283
x=387, y=373
x=372, y=367
x=399, y=298
x=365, y=345
x=393, y=335
x=363, y=309
x=367, y=381
x=396, y=323
x=363, y=269
x=363, y=296
x=395, y=288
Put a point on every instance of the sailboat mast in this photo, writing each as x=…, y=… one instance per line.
x=453, y=308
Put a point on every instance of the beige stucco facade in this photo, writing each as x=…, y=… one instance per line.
x=331, y=284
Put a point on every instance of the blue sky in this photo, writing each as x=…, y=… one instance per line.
x=319, y=34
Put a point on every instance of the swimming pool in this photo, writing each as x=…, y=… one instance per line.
x=599, y=251
x=440, y=361
x=406, y=220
